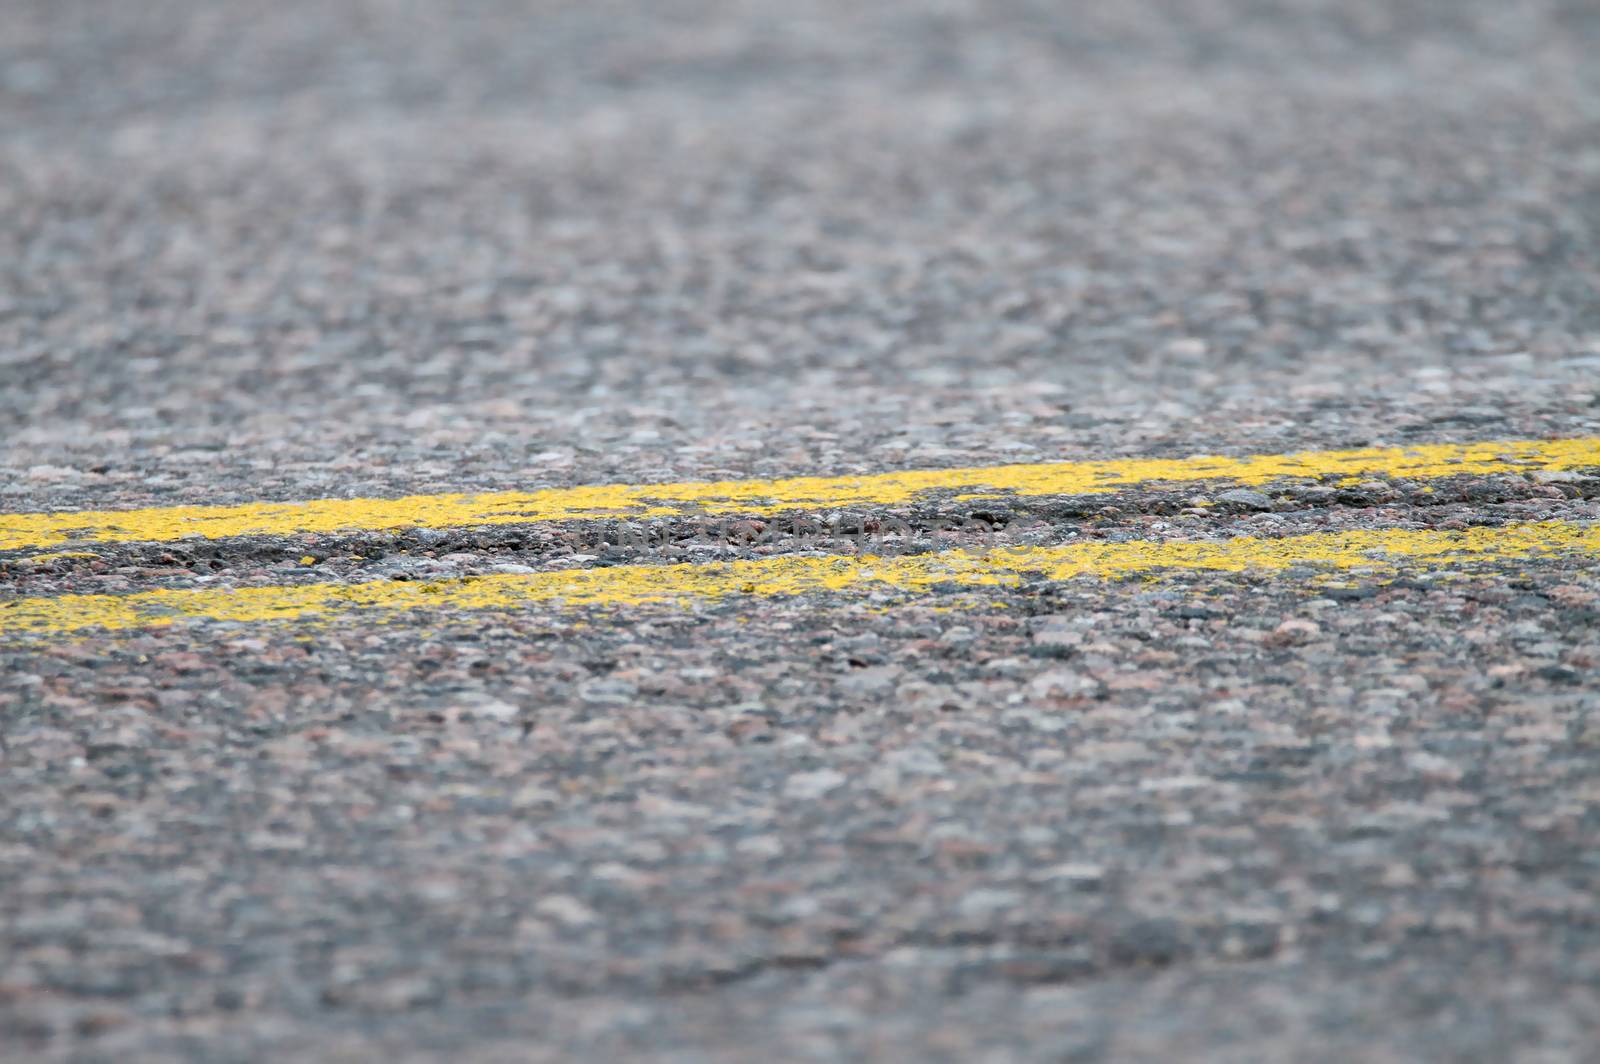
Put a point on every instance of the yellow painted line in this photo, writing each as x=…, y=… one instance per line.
x=41, y=530
x=1378, y=553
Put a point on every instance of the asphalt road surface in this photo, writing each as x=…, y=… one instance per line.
x=780, y=530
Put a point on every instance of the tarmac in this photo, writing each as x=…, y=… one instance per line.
x=712, y=531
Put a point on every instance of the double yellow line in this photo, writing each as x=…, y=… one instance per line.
x=1377, y=554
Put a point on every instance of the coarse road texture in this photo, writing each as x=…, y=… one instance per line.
x=700, y=530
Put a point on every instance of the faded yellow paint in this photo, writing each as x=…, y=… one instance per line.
x=1380, y=553
x=41, y=530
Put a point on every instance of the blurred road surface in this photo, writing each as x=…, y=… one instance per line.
x=690, y=531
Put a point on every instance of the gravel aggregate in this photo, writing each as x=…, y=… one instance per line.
x=277, y=251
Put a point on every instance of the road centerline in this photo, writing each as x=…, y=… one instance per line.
x=1376, y=553
x=37, y=531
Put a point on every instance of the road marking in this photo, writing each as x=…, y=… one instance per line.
x=1378, y=553
x=40, y=530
